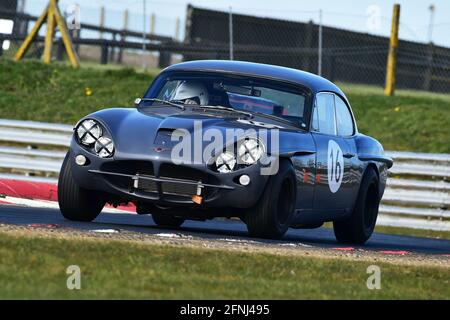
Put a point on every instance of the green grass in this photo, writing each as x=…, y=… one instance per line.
x=34, y=267
x=57, y=93
x=413, y=232
x=410, y=121
x=30, y=90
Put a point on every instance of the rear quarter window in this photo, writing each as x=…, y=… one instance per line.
x=345, y=126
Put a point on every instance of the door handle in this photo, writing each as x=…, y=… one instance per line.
x=348, y=155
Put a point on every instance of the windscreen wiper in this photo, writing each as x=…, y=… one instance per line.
x=170, y=103
x=274, y=117
x=248, y=114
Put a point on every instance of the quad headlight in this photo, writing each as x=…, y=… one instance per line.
x=88, y=132
x=92, y=136
x=104, y=147
x=225, y=162
x=250, y=150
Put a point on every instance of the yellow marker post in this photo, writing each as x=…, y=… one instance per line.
x=49, y=35
x=54, y=18
x=392, y=55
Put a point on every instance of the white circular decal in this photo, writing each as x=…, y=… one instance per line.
x=335, y=166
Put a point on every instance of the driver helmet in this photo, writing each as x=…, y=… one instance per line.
x=192, y=92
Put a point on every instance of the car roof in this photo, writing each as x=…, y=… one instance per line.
x=314, y=82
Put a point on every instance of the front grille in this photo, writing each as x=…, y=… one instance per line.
x=167, y=170
x=179, y=189
x=147, y=185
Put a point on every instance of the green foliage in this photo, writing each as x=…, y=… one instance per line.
x=410, y=121
x=57, y=93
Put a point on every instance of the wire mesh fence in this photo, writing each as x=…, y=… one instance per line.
x=136, y=36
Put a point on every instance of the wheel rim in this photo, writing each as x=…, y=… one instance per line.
x=285, y=201
x=371, y=207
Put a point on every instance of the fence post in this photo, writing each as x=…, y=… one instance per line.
x=60, y=50
x=177, y=29
x=392, y=56
x=144, y=34
x=152, y=23
x=429, y=68
x=188, y=24
x=306, y=59
x=102, y=22
x=123, y=35
x=319, y=53
x=104, y=53
x=76, y=35
x=112, y=49
x=230, y=30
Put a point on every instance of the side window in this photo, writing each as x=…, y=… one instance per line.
x=324, y=116
x=344, y=118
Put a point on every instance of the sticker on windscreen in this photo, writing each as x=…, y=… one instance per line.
x=335, y=166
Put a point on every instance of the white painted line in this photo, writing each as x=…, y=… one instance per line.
x=105, y=231
x=172, y=235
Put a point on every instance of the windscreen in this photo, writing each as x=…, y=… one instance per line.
x=253, y=95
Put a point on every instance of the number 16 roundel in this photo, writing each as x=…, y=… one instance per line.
x=335, y=166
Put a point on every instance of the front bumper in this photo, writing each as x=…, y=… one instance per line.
x=153, y=178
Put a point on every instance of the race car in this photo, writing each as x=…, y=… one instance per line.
x=273, y=146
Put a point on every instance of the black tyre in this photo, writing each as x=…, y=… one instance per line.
x=166, y=218
x=76, y=203
x=273, y=214
x=359, y=227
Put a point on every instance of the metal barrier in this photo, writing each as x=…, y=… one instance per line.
x=417, y=193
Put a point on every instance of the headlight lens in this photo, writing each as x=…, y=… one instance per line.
x=104, y=147
x=225, y=162
x=95, y=138
x=88, y=132
x=250, y=151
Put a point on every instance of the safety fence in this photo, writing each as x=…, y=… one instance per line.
x=312, y=44
x=417, y=195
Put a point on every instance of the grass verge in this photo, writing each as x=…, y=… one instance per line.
x=33, y=267
x=413, y=232
x=407, y=232
x=30, y=90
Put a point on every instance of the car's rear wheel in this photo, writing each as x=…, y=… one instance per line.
x=359, y=227
x=76, y=203
x=273, y=214
x=166, y=217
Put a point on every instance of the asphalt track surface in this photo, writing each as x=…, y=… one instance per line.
x=218, y=229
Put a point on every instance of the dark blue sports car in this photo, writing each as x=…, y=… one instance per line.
x=273, y=146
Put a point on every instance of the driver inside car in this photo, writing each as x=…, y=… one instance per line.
x=191, y=92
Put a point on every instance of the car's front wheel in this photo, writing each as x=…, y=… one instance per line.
x=359, y=227
x=76, y=203
x=273, y=214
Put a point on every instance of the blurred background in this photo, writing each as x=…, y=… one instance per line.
x=344, y=41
